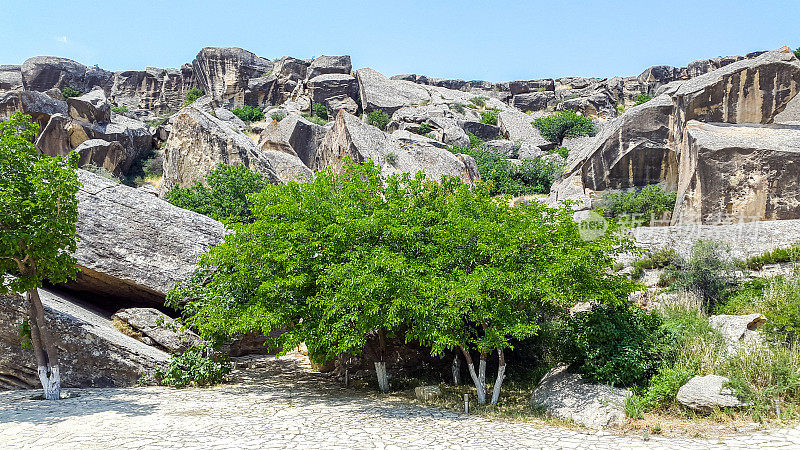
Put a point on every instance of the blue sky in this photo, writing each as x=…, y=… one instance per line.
x=489, y=40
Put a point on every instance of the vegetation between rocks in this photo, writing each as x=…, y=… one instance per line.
x=651, y=204
x=249, y=113
x=378, y=119
x=564, y=124
x=192, y=95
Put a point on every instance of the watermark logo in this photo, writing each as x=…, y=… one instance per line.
x=594, y=226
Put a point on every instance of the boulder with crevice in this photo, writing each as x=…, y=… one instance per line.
x=104, y=154
x=155, y=328
x=296, y=136
x=92, y=107
x=224, y=73
x=323, y=65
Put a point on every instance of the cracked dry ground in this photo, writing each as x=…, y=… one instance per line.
x=282, y=404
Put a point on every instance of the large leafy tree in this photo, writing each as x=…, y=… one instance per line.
x=38, y=213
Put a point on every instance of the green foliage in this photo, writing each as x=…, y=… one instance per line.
x=778, y=299
x=277, y=116
x=457, y=107
x=564, y=124
x=249, y=113
x=659, y=259
x=192, y=95
x=224, y=197
x=38, y=210
x=391, y=158
x=531, y=176
x=562, y=151
x=378, y=119
x=642, y=98
x=102, y=171
x=319, y=110
x=119, y=109
x=194, y=368
x=663, y=387
x=68, y=92
x=620, y=344
x=157, y=123
x=480, y=102
x=357, y=255
x=621, y=109
x=423, y=129
x=776, y=256
x=797, y=53
x=148, y=166
x=639, y=206
x=763, y=374
x=709, y=273
x=489, y=117
x=635, y=406
x=25, y=335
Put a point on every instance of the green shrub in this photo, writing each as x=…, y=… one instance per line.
x=779, y=255
x=763, y=374
x=194, y=368
x=709, y=273
x=622, y=345
x=119, y=109
x=635, y=407
x=249, y=113
x=158, y=122
x=639, y=206
x=391, y=158
x=563, y=151
x=378, y=119
x=147, y=165
x=68, y=92
x=319, y=110
x=192, y=95
x=621, y=109
x=277, y=116
x=457, y=107
x=489, y=117
x=479, y=102
x=642, y=98
x=663, y=387
x=700, y=347
x=423, y=129
x=318, y=120
x=778, y=299
x=564, y=124
x=797, y=53
x=224, y=196
x=657, y=259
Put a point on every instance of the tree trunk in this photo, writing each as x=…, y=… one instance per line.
x=456, y=370
x=480, y=388
x=482, y=370
x=501, y=374
x=383, y=380
x=44, y=348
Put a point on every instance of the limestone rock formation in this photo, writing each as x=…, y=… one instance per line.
x=155, y=90
x=99, y=153
x=42, y=73
x=738, y=329
x=334, y=86
x=738, y=173
x=157, y=329
x=10, y=78
x=224, y=73
x=133, y=246
x=704, y=394
x=92, y=107
x=296, y=136
x=115, y=359
x=350, y=137
x=323, y=65
x=38, y=105
x=200, y=141
x=568, y=397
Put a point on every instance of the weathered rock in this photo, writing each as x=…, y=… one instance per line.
x=323, y=65
x=380, y=93
x=632, y=150
x=10, y=78
x=704, y=394
x=108, y=155
x=224, y=73
x=133, y=246
x=156, y=90
x=42, y=73
x=738, y=173
x=200, y=141
x=568, y=397
x=261, y=91
x=92, y=353
x=738, y=329
x=599, y=105
x=36, y=104
x=92, y=107
x=569, y=83
x=350, y=137
x=483, y=131
x=657, y=76
x=288, y=167
x=517, y=127
x=503, y=147
x=335, y=85
x=334, y=104
x=296, y=136
x=534, y=101
x=526, y=86
x=155, y=328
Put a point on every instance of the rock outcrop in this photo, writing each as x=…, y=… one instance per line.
x=99, y=153
x=296, y=136
x=738, y=330
x=323, y=65
x=156, y=329
x=42, y=73
x=224, y=73
x=350, y=137
x=707, y=393
x=200, y=141
x=133, y=246
x=568, y=397
x=92, y=353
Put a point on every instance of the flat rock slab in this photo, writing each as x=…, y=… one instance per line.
x=157, y=329
x=133, y=246
x=704, y=394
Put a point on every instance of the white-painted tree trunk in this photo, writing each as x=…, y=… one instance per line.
x=51, y=382
x=456, y=370
x=480, y=388
x=501, y=374
x=482, y=371
x=383, y=380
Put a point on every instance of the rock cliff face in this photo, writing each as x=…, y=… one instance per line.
x=224, y=73
x=133, y=246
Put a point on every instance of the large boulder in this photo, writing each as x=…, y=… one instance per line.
x=133, y=246
x=288, y=167
x=155, y=90
x=380, y=93
x=323, y=65
x=103, y=154
x=707, y=393
x=224, y=73
x=534, y=101
x=350, y=137
x=42, y=73
x=155, y=328
x=199, y=142
x=296, y=136
x=92, y=353
x=632, y=150
x=10, y=78
x=38, y=105
x=738, y=173
x=92, y=107
x=738, y=330
x=334, y=85
x=526, y=86
x=568, y=397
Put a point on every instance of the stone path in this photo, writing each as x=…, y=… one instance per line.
x=285, y=406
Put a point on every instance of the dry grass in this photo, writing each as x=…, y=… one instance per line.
x=124, y=328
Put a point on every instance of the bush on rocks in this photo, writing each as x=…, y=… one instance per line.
x=194, y=367
x=378, y=119
x=564, y=124
x=249, y=113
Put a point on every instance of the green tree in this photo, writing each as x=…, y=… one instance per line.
x=38, y=213
x=192, y=95
x=224, y=196
x=564, y=124
x=249, y=113
x=378, y=119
